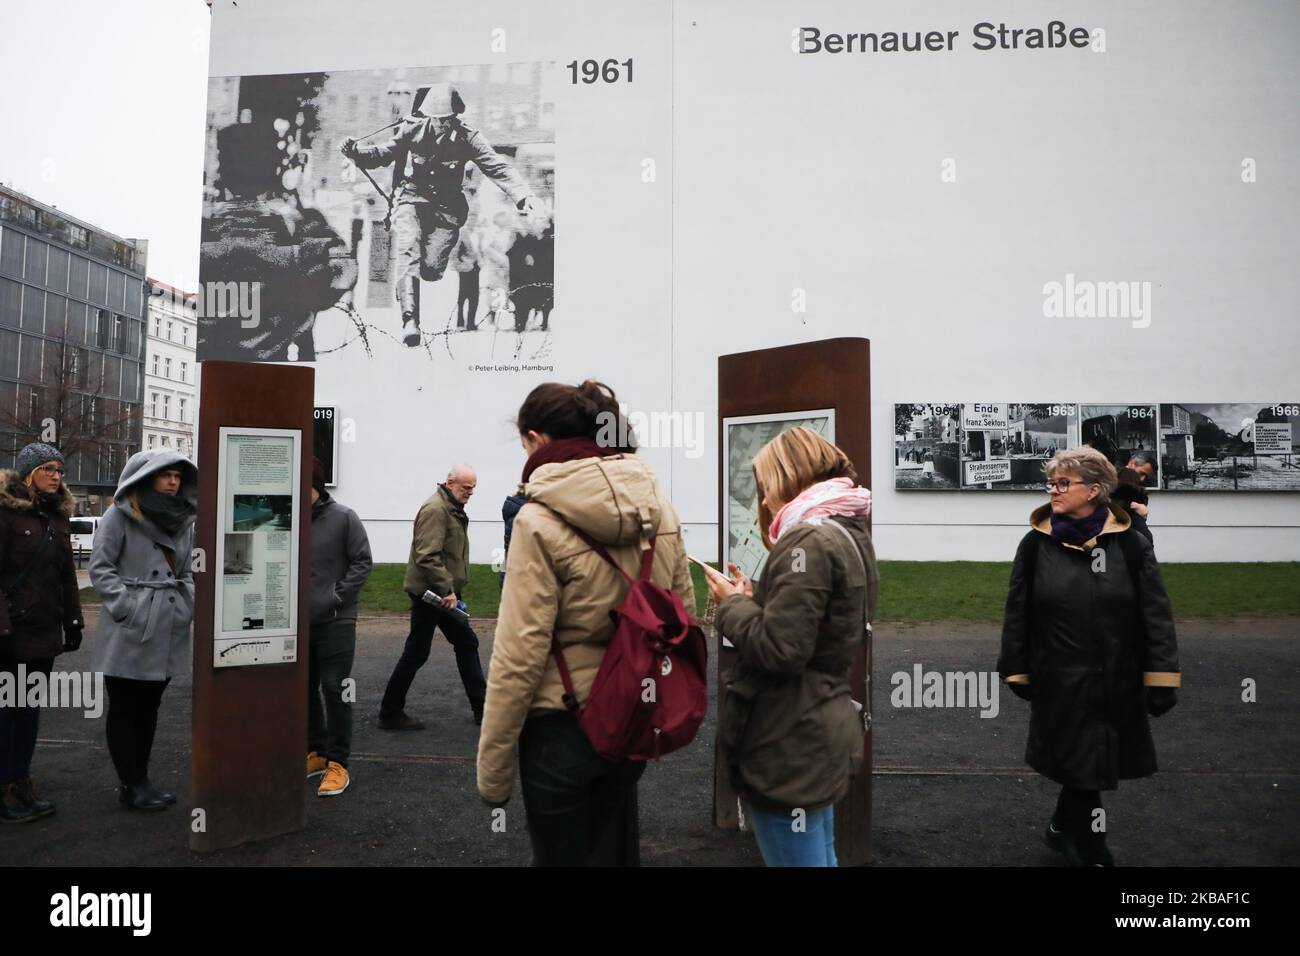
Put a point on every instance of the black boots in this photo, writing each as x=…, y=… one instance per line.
x=19, y=802
x=408, y=300
x=140, y=796
x=1079, y=849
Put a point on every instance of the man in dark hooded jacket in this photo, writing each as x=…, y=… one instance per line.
x=340, y=565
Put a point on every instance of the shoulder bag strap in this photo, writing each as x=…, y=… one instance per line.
x=866, y=617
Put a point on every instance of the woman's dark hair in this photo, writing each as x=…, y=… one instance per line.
x=589, y=410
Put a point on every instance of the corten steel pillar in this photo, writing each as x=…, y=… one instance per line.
x=249, y=734
x=833, y=373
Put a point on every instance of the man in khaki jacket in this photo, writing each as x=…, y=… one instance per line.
x=439, y=562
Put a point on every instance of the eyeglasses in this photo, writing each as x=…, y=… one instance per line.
x=51, y=470
x=1062, y=484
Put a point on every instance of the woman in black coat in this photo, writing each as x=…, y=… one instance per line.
x=1088, y=638
x=40, y=611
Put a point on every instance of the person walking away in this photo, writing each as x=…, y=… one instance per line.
x=581, y=809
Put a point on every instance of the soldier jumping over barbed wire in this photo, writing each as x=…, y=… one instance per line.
x=429, y=151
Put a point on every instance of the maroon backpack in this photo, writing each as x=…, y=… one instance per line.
x=651, y=692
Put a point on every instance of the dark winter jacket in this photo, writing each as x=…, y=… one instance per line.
x=1086, y=642
x=509, y=508
x=340, y=561
x=34, y=615
x=1128, y=491
x=786, y=720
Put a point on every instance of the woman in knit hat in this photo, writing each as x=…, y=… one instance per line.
x=40, y=613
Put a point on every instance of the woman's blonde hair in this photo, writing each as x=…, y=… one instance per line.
x=1092, y=467
x=793, y=461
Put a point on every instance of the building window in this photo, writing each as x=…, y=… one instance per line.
x=185, y=335
x=155, y=364
x=169, y=330
x=184, y=370
x=151, y=440
x=167, y=406
x=153, y=406
x=167, y=367
x=180, y=411
x=153, y=326
x=166, y=441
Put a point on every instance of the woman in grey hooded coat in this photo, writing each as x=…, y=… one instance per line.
x=141, y=568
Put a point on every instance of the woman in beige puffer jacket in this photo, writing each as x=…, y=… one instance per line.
x=581, y=809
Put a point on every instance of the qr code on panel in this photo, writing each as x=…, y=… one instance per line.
x=288, y=643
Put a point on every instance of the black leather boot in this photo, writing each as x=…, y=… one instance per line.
x=136, y=797
x=408, y=299
x=166, y=796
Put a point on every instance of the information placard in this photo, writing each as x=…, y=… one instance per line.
x=978, y=472
x=258, y=514
x=742, y=438
x=1273, y=438
x=984, y=416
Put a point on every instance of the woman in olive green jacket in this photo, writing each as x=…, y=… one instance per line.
x=787, y=719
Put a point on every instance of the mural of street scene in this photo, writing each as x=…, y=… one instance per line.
x=1120, y=432
x=927, y=442
x=1004, y=445
x=273, y=512
x=1232, y=447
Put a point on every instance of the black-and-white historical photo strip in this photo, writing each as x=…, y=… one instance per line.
x=1231, y=447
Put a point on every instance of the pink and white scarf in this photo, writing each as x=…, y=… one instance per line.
x=835, y=496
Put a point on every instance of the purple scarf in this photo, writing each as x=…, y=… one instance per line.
x=1073, y=530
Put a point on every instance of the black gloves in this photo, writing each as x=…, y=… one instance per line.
x=1022, y=691
x=1161, y=700
x=71, y=638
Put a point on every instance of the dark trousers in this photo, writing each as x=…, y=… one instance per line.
x=329, y=664
x=1074, y=812
x=20, y=723
x=581, y=808
x=467, y=299
x=131, y=722
x=424, y=618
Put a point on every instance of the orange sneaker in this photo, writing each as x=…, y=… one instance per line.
x=316, y=764
x=336, y=780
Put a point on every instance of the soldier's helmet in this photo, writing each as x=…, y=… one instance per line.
x=440, y=99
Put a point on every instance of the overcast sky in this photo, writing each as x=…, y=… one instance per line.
x=102, y=115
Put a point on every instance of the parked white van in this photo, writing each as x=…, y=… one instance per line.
x=83, y=535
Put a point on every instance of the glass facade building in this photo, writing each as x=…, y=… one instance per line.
x=72, y=341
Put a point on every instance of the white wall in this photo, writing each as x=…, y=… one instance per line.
x=778, y=172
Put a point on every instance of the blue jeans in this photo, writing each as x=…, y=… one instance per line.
x=812, y=843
